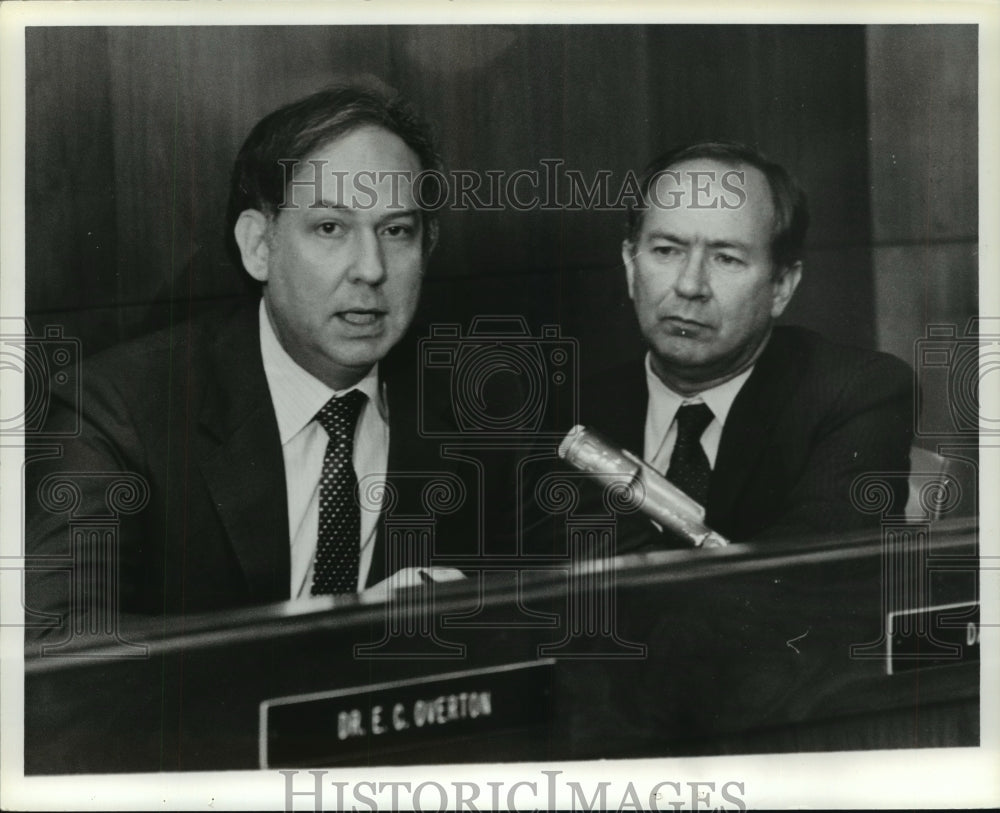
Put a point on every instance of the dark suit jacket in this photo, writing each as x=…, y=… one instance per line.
x=188, y=410
x=812, y=416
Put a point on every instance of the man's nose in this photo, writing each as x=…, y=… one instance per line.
x=369, y=262
x=692, y=279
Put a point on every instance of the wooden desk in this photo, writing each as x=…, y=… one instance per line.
x=736, y=650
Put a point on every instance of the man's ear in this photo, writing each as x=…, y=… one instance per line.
x=251, y=236
x=628, y=250
x=784, y=287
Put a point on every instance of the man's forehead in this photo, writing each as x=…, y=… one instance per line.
x=695, y=177
x=710, y=192
x=366, y=168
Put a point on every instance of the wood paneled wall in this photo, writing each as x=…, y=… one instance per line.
x=923, y=122
x=131, y=134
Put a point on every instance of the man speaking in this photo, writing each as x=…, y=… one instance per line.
x=243, y=437
x=766, y=426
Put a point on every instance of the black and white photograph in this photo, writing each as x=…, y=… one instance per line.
x=499, y=406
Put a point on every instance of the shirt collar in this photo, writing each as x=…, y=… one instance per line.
x=298, y=395
x=664, y=402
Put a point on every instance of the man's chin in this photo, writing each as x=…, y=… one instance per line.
x=691, y=362
x=365, y=358
x=367, y=350
x=680, y=352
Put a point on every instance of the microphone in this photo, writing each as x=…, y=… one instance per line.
x=647, y=489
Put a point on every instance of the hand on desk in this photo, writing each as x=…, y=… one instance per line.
x=408, y=577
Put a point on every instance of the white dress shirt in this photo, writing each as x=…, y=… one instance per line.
x=297, y=397
x=661, y=409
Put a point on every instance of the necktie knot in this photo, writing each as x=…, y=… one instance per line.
x=339, y=415
x=692, y=420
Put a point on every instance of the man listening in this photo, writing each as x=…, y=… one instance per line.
x=766, y=426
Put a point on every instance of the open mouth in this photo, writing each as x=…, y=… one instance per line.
x=362, y=317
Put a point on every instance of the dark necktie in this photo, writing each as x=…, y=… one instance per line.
x=689, y=469
x=338, y=547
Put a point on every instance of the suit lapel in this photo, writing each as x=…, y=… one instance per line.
x=243, y=465
x=412, y=455
x=750, y=425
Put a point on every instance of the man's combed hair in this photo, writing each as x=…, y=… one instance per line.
x=791, y=210
x=297, y=130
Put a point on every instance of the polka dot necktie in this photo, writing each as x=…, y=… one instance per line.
x=338, y=547
x=689, y=469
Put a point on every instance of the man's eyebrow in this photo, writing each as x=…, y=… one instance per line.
x=340, y=207
x=656, y=234
x=393, y=213
x=729, y=244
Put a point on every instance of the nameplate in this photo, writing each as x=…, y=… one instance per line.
x=943, y=635
x=425, y=720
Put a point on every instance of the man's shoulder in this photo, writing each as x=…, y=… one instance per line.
x=146, y=374
x=182, y=343
x=803, y=378
x=808, y=354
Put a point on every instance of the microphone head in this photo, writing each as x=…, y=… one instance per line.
x=569, y=440
x=657, y=497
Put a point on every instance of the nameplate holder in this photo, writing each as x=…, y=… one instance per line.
x=933, y=636
x=440, y=718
